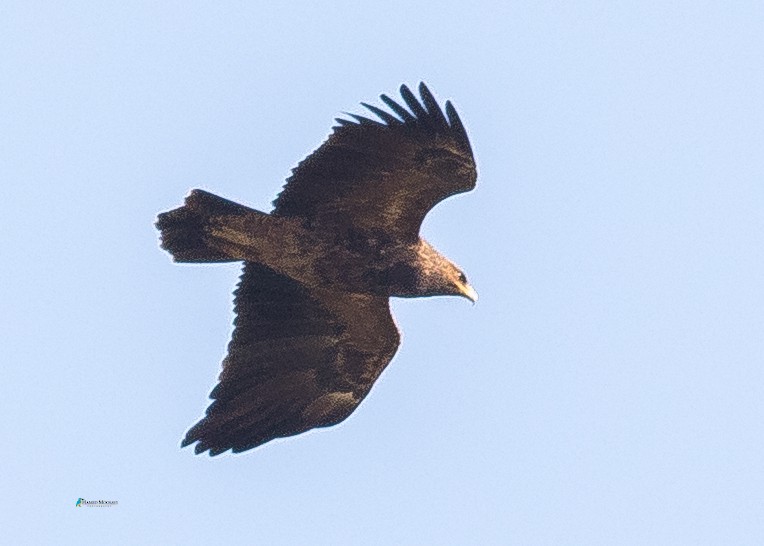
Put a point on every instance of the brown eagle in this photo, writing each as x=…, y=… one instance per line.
x=313, y=329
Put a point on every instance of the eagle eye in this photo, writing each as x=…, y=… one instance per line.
x=462, y=278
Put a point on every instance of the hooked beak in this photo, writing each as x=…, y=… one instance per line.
x=468, y=292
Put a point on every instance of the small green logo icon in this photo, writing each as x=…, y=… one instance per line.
x=79, y=502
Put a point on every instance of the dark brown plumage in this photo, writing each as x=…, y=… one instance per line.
x=313, y=328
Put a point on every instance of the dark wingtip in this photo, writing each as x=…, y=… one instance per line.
x=192, y=435
x=363, y=120
x=384, y=116
x=404, y=114
x=457, y=127
x=344, y=122
x=425, y=113
x=413, y=104
x=434, y=112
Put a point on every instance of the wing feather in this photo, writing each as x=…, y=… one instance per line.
x=416, y=108
x=433, y=110
x=298, y=359
x=383, y=177
x=398, y=109
x=384, y=116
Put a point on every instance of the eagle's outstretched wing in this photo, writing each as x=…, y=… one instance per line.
x=299, y=359
x=382, y=178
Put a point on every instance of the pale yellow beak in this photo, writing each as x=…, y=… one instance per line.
x=468, y=292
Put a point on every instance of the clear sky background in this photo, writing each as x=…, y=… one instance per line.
x=608, y=388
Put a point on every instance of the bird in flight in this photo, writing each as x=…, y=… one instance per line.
x=313, y=329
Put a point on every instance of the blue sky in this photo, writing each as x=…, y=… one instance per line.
x=608, y=388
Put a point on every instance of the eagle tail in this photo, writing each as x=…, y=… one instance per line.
x=186, y=231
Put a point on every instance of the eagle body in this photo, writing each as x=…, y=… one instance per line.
x=351, y=262
x=313, y=329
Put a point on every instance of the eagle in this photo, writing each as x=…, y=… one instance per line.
x=313, y=329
